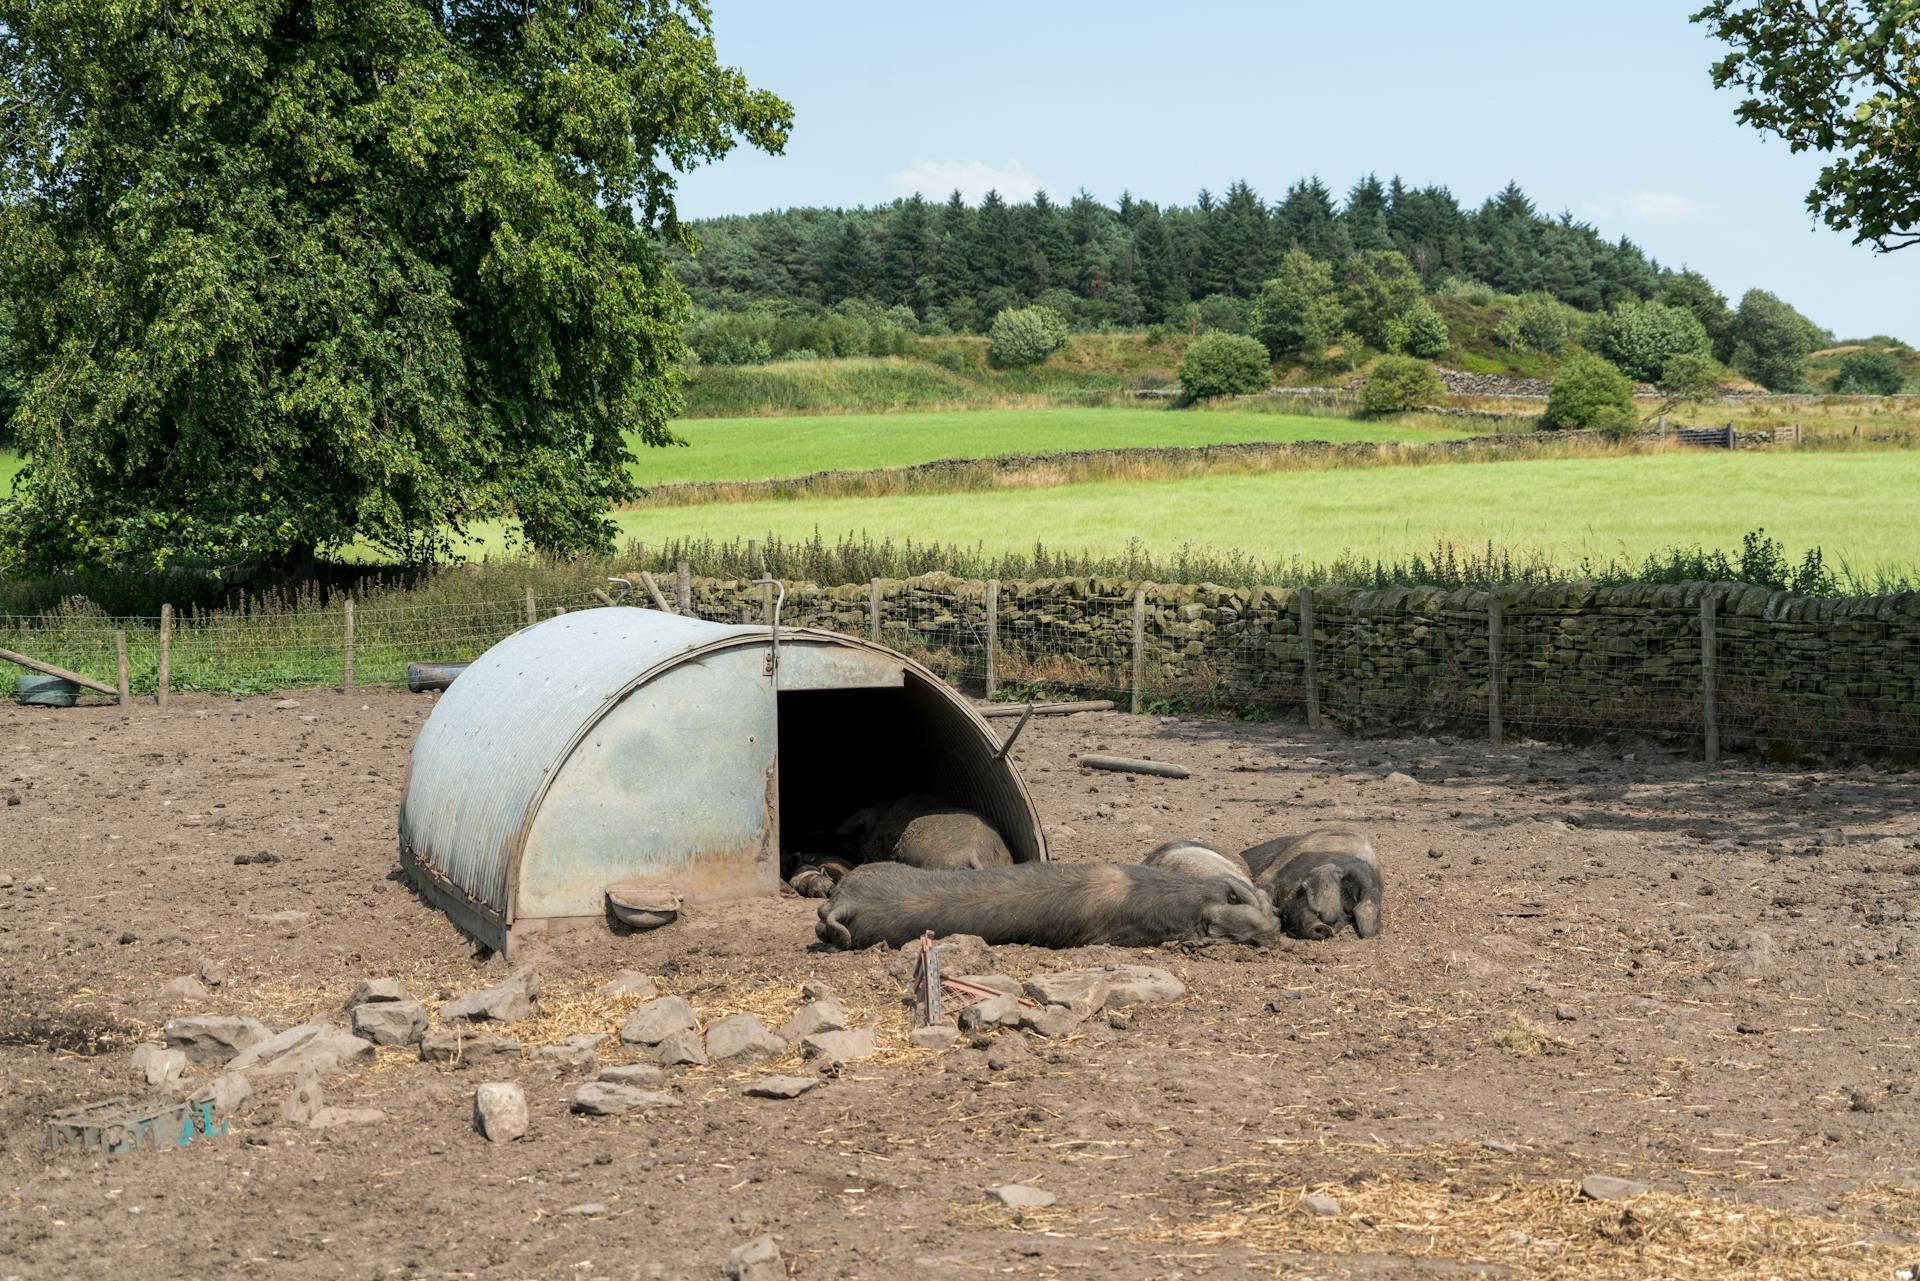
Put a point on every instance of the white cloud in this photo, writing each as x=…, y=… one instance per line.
x=1659, y=206
x=936, y=179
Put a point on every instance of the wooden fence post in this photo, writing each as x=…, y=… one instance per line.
x=532, y=617
x=120, y=649
x=683, y=586
x=1306, y=658
x=993, y=636
x=1139, y=645
x=166, y=654
x=346, y=666
x=1709, y=676
x=873, y=610
x=1496, y=730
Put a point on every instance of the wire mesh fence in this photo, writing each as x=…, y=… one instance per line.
x=1702, y=664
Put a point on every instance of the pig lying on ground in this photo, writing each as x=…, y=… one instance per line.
x=1318, y=893
x=1195, y=859
x=1042, y=904
x=923, y=831
x=1264, y=859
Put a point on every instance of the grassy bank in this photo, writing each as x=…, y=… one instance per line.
x=1858, y=506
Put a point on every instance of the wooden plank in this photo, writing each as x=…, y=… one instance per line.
x=532, y=616
x=166, y=655
x=1050, y=709
x=346, y=666
x=993, y=636
x=604, y=598
x=653, y=590
x=120, y=652
x=683, y=586
x=1139, y=646
x=48, y=669
x=1306, y=658
x=873, y=610
x=1128, y=765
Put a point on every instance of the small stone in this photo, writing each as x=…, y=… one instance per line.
x=781, y=1087
x=837, y=1046
x=286, y=704
x=1858, y=1101
x=391, y=1022
x=586, y=1209
x=213, y=1038
x=1605, y=1187
x=508, y=1003
x=1021, y=1196
x=742, y=1036
x=1317, y=1204
x=1397, y=779
x=1049, y=1020
x=184, y=988
x=642, y=1076
x=1140, y=984
x=377, y=991
x=630, y=983
x=937, y=1037
x=1499, y=1145
x=823, y=1015
x=331, y=1118
x=681, y=1049
x=1006, y=1052
x=158, y=1064
x=1565, y=1013
x=997, y=1011
x=575, y=1054
x=815, y=990
x=657, y=1020
x=1082, y=991
x=500, y=1111
x=757, y=1260
x=468, y=1049
x=311, y=1049
x=212, y=973
x=1119, y=1020
x=304, y=1103
x=226, y=1092
x=604, y=1098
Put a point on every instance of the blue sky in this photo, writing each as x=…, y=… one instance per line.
x=1604, y=110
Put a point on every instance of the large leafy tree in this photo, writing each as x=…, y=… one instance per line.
x=289, y=275
x=1840, y=77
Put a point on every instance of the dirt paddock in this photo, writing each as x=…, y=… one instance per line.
x=1595, y=961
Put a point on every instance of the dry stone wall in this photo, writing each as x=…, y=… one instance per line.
x=1573, y=658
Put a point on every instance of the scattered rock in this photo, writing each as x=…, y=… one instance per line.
x=993, y=983
x=995, y=1011
x=500, y=1111
x=1397, y=779
x=390, y=1022
x=955, y=954
x=823, y=1015
x=680, y=1049
x=331, y=1118
x=264, y=857
x=838, y=1046
x=1605, y=1187
x=304, y=1103
x=575, y=1054
x=1565, y=1013
x=1021, y=1196
x=158, y=1064
x=508, y=1003
x=659, y=1019
x=311, y=1049
x=1860, y=1101
x=757, y=1260
x=184, y=988
x=642, y=1076
x=1006, y=1052
x=816, y=990
x=630, y=983
x=1318, y=1204
x=1049, y=1020
x=286, y=704
x=604, y=1098
x=213, y=1038
x=1083, y=992
x=1119, y=1020
x=1751, y=954
x=586, y=1209
x=212, y=973
x=742, y=1036
x=781, y=1087
x=1140, y=984
x=226, y=1092
x=938, y=1037
x=470, y=1049
x=377, y=991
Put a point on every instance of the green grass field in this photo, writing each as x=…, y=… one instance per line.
x=772, y=448
x=1857, y=506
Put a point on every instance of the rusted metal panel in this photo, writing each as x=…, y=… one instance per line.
x=672, y=788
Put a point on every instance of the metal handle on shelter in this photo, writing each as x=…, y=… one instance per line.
x=780, y=599
x=626, y=589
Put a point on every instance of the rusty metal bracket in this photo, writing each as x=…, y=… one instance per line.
x=1001, y=754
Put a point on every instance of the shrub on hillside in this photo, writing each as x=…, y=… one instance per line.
x=1297, y=312
x=1771, y=341
x=1640, y=337
x=1399, y=383
x=1379, y=285
x=1220, y=364
x=1538, y=324
x=1348, y=353
x=1025, y=336
x=1615, y=423
x=951, y=358
x=1420, y=330
x=1586, y=388
x=1870, y=371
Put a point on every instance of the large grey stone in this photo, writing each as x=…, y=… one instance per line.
x=781, y=1087
x=604, y=1098
x=824, y=1015
x=311, y=1049
x=838, y=1046
x=680, y=1049
x=657, y=1020
x=1607, y=1187
x=937, y=1037
x=500, y=1111
x=184, y=988
x=158, y=1064
x=304, y=1102
x=1318, y=1204
x=468, y=1049
x=213, y=1038
x=575, y=1054
x=995, y=1011
x=390, y=1022
x=643, y=1076
x=332, y=1118
x=742, y=1036
x=630, y=983
x=757, y=1260
x=226, y=1092
x=1048, y=1020
x=1020, y=1196
x=377, y=990
x=508, y=1003
x=1083, y=992
x=1139, y=984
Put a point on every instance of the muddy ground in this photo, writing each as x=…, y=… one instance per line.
x=1715, y=968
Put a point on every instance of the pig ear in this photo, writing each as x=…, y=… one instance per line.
x=1366, y=906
